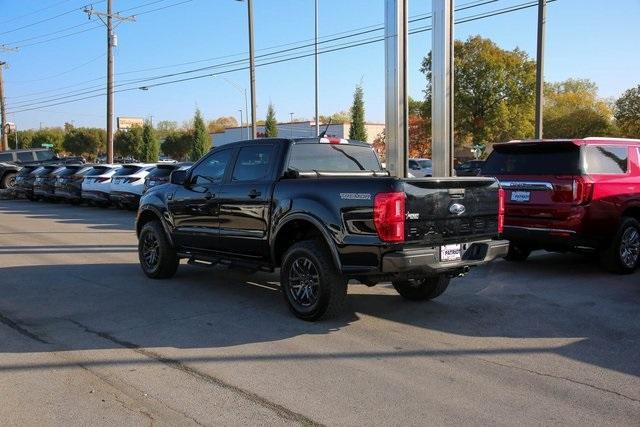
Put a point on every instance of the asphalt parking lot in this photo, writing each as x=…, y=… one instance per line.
x=86, y=338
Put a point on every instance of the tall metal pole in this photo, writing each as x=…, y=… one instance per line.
x=317, y=76
x=246, y=113
x=442, y=69
x=291, y=125
x=396, y=109
x=241, y=123
x=5, y=141
x=109, y=82
x=542, y=7
x=252, y=69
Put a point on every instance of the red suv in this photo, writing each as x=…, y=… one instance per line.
x=579, y=195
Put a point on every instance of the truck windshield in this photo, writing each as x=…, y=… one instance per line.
x=545, y=158
x=307, y=157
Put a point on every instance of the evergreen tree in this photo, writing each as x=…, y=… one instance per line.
x=270, y=128
x=357, y=131
x=201, y=140
x=129, y=143
x=150, y=145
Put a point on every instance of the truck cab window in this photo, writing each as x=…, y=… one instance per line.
x=253, y=163
x=212, y=169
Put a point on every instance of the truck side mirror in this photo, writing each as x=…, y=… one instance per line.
x=178, y=177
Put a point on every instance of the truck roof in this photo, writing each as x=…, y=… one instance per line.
x=317, y=140
x=577, y=141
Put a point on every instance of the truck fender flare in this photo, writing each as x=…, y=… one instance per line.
x=158, y=214
x=318, y=224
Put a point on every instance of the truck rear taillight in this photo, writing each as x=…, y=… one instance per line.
x=501, y=202
x=582, y=189
x=388, y=216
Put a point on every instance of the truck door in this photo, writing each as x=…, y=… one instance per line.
x=194, y=207
x=245, y=202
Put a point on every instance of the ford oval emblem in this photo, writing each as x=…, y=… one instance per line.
x=457, y=209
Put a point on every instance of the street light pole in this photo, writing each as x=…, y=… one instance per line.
x=241, y=123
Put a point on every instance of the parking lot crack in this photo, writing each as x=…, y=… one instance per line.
x=559, y=377
x=21, y=329
x=278, y=409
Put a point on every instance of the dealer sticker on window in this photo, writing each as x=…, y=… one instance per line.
x=451, y=252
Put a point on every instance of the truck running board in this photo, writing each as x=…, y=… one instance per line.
x=204, y=261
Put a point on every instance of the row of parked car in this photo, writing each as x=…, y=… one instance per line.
x=99, y=184
x=580, y=195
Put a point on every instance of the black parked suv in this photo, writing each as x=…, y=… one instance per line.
x=68, y=186
x=26, y=180
x=323, y=211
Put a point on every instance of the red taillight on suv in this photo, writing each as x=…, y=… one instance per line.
x=501, y=208
x=582, y=189
x=388, y=216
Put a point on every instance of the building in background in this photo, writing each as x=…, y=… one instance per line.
x=295, y=130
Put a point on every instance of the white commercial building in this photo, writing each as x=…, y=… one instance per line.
x=294, y=130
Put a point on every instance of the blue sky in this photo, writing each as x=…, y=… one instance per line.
x=585, y=38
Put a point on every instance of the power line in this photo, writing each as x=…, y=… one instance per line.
x=330, y=49
x=288, y=57
x=16, y=18
x=20, y=46
x=327, y=39
x=60, y=73
x=356, y=32
x=17, y=42
x=47, y=19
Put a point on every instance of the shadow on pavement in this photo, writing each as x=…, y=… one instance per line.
x=101, y=306
x=94, y=218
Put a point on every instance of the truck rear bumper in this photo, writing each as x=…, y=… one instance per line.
x=428, y=259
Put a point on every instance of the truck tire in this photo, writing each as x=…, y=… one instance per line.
x=312, y=285
x=8, y=181
x=623, y=255
x=158, y=258
x=517, y=253
x=422, y=289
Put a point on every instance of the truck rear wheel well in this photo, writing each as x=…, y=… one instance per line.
x=294, y=231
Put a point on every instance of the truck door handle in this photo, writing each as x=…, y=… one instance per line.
x=208, y=196
x=254, y=193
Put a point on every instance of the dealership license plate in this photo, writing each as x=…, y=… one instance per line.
x=451, y=252
x=520, y=196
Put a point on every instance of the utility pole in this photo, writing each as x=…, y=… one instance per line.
x=252, y=69
x=5, y=137
x=542, y=6
x=317, y=76
x=107, y=19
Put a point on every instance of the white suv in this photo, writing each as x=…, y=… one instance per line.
x=97, y=184
x=127, y=184
x=420, y=168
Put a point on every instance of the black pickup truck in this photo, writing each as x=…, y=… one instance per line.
x=323, y=211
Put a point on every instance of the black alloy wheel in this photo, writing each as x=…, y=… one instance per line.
x=312, y=285
x=158, y=259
